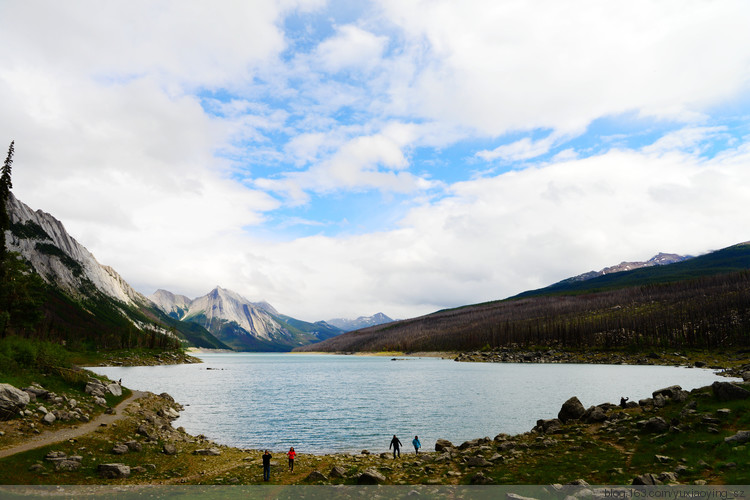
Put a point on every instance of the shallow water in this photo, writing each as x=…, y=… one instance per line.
x=330, y=403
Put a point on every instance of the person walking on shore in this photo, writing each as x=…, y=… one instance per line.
x=396, y=444
x=266, y=465
x=417, y=444
x=291, y=454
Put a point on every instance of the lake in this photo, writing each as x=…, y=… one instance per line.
x=331, y=403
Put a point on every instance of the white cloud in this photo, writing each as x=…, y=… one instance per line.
x=522, y=149
x=351, y=48
x=505, y=66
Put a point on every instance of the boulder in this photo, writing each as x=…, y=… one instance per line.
x=371, y=476
x=646, y=480
x=54, y=456
x=114, y=389
x=655, y=425
x=120, y=449
x=67, y=465
x=548, y=426
x=169, y=449
x=671, y=392
x=95, y=388
x=746, y=376
x=337, y=471
x=113, y=471
x=316, y=476
x=477, y=462
x=572, y=409
x=12, y=399
x=594, y=414
x=442, y=444
x=213, y=451
x=727, y=391
x=134, y=445
x=740, y=438
x=49, y=418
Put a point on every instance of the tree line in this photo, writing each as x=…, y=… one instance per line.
x=704, y=312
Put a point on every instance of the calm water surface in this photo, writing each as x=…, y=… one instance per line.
x=330, y=403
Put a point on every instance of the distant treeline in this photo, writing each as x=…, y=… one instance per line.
x=697, y=313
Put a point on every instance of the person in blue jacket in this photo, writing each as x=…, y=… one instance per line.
x=417, y=444
x=396, y=444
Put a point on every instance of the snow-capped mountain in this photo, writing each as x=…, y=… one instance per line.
x=362, y=322
x=240, y=323
x=660, y=259
x=58, y=258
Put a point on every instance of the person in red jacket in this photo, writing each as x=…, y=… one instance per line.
x=291, y=454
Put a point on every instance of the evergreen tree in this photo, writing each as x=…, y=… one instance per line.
x=5, y=186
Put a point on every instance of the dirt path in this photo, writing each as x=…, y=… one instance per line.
x=64, y=434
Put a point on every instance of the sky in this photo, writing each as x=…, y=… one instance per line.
x=339, y=159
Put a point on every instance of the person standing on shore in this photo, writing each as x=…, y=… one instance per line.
x=266, y=465
x=417, y=444
x=396, y=444
x=291, y=454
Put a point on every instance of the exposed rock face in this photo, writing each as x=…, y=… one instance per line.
x=68, y=275
x=12, y=399
x=337, y=471
x=727, y=391
x=572, y=409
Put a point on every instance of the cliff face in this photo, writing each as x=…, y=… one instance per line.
x=59, y=258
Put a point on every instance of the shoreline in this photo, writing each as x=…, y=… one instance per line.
x=505, y=459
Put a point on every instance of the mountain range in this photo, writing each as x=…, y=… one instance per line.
x=81, y=285
x=242, y=324
x=349, y=325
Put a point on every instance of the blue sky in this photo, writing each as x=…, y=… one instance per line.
x=345, y=158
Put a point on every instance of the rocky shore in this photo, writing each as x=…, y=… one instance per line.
x=732, y=364
x=674, y=437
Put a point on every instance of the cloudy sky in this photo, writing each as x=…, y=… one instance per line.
x=343, y=158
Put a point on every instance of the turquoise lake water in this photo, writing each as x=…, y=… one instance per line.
x=330, y=403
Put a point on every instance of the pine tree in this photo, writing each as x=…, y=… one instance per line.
x=5, y=186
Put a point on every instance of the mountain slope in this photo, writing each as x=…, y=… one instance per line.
x=86, y=303
x=701, y=302
x=242, y=324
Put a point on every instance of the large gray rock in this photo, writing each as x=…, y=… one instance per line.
x=371, y=476
x=337, y=471
x=671, y=392
x=49, y=418
x=477, y=462
x=727, y=391
x=646, y=480
x=316, y=476
x=595, y=414
x=120, y=449
x=740, y=438
x=114, y=389
x=67, y=465
x=12, y=399
x=548, y=425
x=572, y=409
x=113, y=471
x=442, y=444
x=208, y=451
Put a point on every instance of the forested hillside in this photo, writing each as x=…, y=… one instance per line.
x=701, y=303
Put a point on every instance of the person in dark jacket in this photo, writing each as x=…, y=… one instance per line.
x=396, y=444
x=266, y=465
